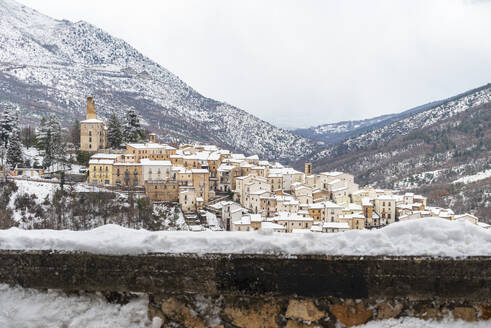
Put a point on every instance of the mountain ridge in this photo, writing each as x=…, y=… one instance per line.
x=337, y=132
x=50, y=66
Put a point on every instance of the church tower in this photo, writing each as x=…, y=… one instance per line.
x=93, y=132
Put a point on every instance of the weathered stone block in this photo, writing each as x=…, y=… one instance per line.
x=485, y=311
x=304, y=310
x=256, y=316
x=351, y=313
x=431, y=313
x=464, y=313
x=388, y=310
x=180, y=313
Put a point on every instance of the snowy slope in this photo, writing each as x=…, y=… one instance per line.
x=334, y=133
x=406, y=125
x=47, y=65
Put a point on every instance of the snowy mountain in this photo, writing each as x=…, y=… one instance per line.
x=334, y=133
x=51, y=66
x=409, y=121
x=443, y=152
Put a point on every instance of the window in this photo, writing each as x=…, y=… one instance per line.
x=90, y=133
x=383, y=204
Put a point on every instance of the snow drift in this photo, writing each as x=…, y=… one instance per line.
x=429, y=236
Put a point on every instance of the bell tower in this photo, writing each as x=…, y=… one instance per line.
x=91, y=109
x=308, y=169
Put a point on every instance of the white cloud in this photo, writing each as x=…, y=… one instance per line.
x=298, y=63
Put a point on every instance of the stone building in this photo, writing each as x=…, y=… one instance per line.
x=127, y=175
x=162, y=190
x=93, y=132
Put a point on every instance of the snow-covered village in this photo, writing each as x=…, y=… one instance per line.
x=245, y=164
x=119, y=169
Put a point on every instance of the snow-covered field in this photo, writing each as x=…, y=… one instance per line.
x=28, y=308
x=475, y=177
x=429, y=236
x=418, y=323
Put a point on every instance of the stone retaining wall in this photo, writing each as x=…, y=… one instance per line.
x=189, y=290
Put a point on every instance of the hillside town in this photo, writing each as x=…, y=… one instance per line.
x=246, y=193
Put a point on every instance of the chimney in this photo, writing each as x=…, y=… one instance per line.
x=91, y=108
x=308, y=169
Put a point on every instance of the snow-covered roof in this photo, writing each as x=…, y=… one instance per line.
x=199, y=171
x=101, y=162
x=332, y=174
x=225, y=168
x=149, y=162
x=272, y=225
x=365, y=201
x=105, y=156
x=335, y=225
x=284, y=216
x=127, y=164
x=354, y=207
x=92, y=120
x=149, y=145
x=330, y=204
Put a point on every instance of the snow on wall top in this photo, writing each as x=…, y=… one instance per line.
x=422, y=237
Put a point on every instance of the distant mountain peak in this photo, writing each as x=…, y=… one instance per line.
x=49, y=65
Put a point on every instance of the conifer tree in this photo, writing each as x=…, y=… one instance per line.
x=132, y=128
x=50, y=139
x=6, y=126
x=48, y=154
x=114, y=132
x=14, y=150
x=75, y=134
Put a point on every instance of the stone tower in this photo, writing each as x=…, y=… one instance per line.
x=308, y=169
x=93, y=132
x=152, y=137
x=91, y=115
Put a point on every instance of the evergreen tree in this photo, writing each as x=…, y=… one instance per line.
x=114, y=132
x=75, y=134
x=7, y=124
x=48, y=154
x=41, y=135
x=28, y=136
x=132, y=128
x=50, y=139
x=14, y=150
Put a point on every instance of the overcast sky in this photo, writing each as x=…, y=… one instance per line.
x=302, y=63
